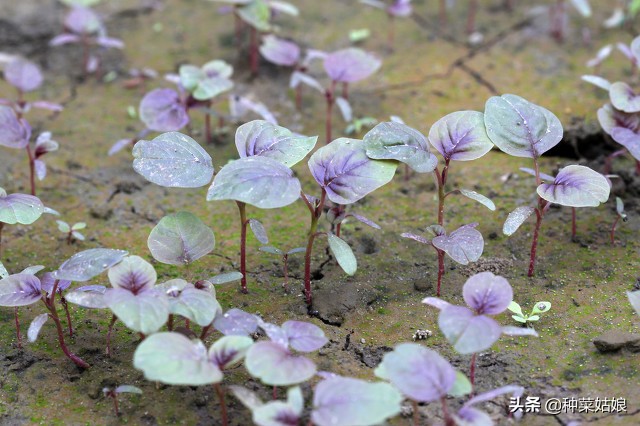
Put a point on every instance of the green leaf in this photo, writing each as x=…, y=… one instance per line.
x=144, y=312
x=541, y=307
x=462, y=386
x=256, y=14
x=180, y=239
x=479, y=198
x=519, y=318
x=343, y=254
x=515, y=308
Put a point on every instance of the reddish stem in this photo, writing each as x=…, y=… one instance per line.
x=407, y=172
x=338, y=228
x=330, y=101
x=253, y=52
x=109, y=331
x=345, y=90
x=243, y=245
x=274, y=393
x=285, y=259
x=170, y=323
x=18, y=335
x=391, y=33
x=443, y=15
x=613, y=230
x=115, y=404
x=66, y=310
x=32, y=170
x=472, y=371
x=416, y=415
x=205, y=331
x=223, y=406
x=573, y=223
x=448, y=420
x=315, y=215
x=534, y=244
x=299, y=97
x=471, y=17
x=440, y=270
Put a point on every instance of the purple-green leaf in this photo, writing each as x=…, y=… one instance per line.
x=259, y=137
x=87, y=264
x=304, y=336
x=23, y=75
x=173, y=160
x=20, y=290
x=343, y=254
x=259, y=181
x=14, y=132
x=521, y=128
x=35, y=326
x=463, y=245
x=345, y=171
x=236, y=322
x=350, y=65
x=180, y=239
x=19, y=208
x=623, y=97
x=516, y=218
x=344, y=401
x=276, y=366
x=419, y=373
x=229, y=350
x=461, y=136
x=144, y=312
x=487, y=294
x=467, y=332
x=162, y=111
x=576, y=186
x=634, y=299
x=133, y=274
x=629, y=139
x=279, y=51
x=258, y=231
x=199, y=306
x=397, y=141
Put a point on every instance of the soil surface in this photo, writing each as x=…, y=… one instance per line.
x=428, y=74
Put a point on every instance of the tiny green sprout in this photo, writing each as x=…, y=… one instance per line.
x=71, y=231
x=358, y=124
x=359, y=35
x=113, y=394
x=539, y=308
x=132, y=112
x=621, y=214
x=285, y=260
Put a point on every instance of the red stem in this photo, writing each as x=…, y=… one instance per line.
x=243, y=245
x=66, y=310
x=18, y=335
x=440, y=270
x=345, y=90
x=472, y=371
x=471, y=17
x=315, y=215
x=299, y=97
x=170, y=323
x=109, y=331
x=32, y=170
x=115, y=404
x=448, y=421
x=330, y=100
x=613, y=230
x=416, y=415
x=338, y=228
x=534, y=244
x=573, y=223
x=223, y=406
x=207, y=126
x=253, y=52
x=285, y=258
x=274, y=393
x=443, y=15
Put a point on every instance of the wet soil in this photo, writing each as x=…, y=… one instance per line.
x=427, y=75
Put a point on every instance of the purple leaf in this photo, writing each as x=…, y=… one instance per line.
x=128, y=389
x=516, y=218
x=461, y=136
x=419, y=373
x=343, y=401
x=49, y=106
x=436, y=302
x=180, y=239
x=343, y=254
x=467, y=332
x=597, y=81
x=487, y=294
x=345, y=109
x=20, y=290
x=133, y=274
x=473, y=195
x=489, y=395
x=110, y=42
x=87, y=264
x=259, y=181
x=89, y=296
x=629, y=139
x=240, y=105
x=47, y=281
x=82, y=20
x=304, y=336
x=262, y=138
x=14, y=133
x=532, y=172
x=198, y=305
x=602, y=54
x=119, y=146
x=35, y=326
x=298, y=77
x=144, y=312
x=350, y=65
x=229, y=350
x=624, y=98
x=173, y=160
x=225, y=278
x=258, y=231
x=343, y=169
x=276, y=366
x=275, y=333
x=162, y=111
x=521, y=128
x=61, y=39
x=364, y=220
x=400, y=8
x=44, y=144
x=236, y=322
x=397, y=141
x=463, y=245
x=23, y=75
x=279, y=51
x=19, y=208
x=415, y=237
x=576, y=186
x=610, y=118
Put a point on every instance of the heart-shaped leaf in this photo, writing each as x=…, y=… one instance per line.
x=87, y=264
x=256, y=14
x=629, y=139
x=350, y=65
x=14, y=132
x=623, y=97
x=344, y=401
x=229, y=350
x=343, y=254
x=236, y=322
x=20, y=290
x=419, y=373
x=345, y=171
x=304, y=336
x=260, y=181
x=173, y=160
x=279, y=51
x=467, y=332
x=36, y=326
x=487, y=294
x=199, y=306
x=207, y=82
x=463, y=245
x=88, y=297
x=397, y=141
x=259, y=137
x=576, y=186
x=180, y=239
x=23, y=75
x=133, y=274
x=144, y=312
x=461, y=136
x=516, y=218
x=521, y=128
x=276, y=366
x=610, y=118
x=162, y=111
x=19, y=208
x=173, y=359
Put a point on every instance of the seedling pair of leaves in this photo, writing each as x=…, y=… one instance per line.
x=15, y=132
x=471, y=330
x=83, y=26
x=459, y=136
x=523, y=129
x=521, y=317
x=72, y=232
x=620, y=215
x=113, y=394
x=26, y=77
